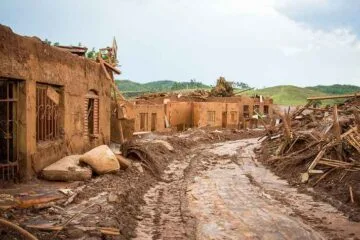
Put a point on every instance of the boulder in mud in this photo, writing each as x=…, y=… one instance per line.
x=101, y=159
x=67, y=169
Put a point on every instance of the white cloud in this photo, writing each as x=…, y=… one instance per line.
x=251, y=41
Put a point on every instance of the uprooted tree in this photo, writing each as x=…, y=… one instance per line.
x=223, y=88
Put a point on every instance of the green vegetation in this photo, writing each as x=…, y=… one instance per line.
x=336, y=89
x=292, y=95
x=287, y=94
x=284, y=94
x=158, y=86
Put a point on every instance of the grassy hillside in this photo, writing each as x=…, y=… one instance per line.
x=287, y=94
x=132, y=88
x=284, y=94
x=336, y=89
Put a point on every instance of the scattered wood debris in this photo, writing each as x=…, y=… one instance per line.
x=318, y=141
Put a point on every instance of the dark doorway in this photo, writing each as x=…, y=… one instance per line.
x=143, y=121
x=224, y=119
x=153, y=121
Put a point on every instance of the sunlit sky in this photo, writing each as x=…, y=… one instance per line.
x=261, y=42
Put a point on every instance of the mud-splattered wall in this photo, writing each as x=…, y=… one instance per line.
x=30, y=62
x=179, y=114
x=149, y=117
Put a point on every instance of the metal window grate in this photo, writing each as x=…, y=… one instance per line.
x=91, y=114
x=47, y=114
x=9, y=92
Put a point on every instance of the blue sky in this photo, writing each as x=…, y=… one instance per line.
x=261, y=42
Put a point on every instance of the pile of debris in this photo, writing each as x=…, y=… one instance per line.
x=313, y=144
x=223, y=88
x=102, y=207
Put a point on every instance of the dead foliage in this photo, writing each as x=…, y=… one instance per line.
x=223, y=88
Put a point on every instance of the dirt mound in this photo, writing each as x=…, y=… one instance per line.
x=153, y=156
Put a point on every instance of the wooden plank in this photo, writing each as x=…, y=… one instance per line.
x=336, y=124
x=317, y=159
x=117, y=71
x=337, y=133
x=357, y=119
x=351, y=194
x=105, y=70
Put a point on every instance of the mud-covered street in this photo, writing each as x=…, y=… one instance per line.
x=220, y=191
x=198, y=184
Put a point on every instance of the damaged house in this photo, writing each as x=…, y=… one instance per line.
x=52, y=103
x=182, y=112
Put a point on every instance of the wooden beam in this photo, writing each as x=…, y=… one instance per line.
x=117, y=71
x=336, y=124
x=300, y=110
x=335, y=96
x=357, y=119
x=337, y=133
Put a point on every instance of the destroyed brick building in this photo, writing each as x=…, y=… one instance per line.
x=52, y=103
x=55, y=102
x=181, y=112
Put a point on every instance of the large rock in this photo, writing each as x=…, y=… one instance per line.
x=67, y=169
x=101, y=159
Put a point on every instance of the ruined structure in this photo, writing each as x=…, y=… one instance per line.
x=52, y=103
x=181, y=112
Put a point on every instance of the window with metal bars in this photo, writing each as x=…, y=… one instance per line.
x=9, y=151
x=47, y=112
x=91, y=117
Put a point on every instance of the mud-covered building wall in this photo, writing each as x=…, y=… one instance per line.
x=179, y=114
x=63, y=104
x=149, y=117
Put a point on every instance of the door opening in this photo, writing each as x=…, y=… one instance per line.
x=153, y=121
x=224, y=119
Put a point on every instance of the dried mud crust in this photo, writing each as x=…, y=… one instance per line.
x=334, y=188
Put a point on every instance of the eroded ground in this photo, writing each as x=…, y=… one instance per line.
x=211, y=187
x=219, y=191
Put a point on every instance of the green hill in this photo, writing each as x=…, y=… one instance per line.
x=283, y=94
x=130, y=88
x=336, y=89
x=287, y=94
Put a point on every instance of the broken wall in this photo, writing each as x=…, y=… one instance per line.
x=179, y=114
x=122, y=121
x=32, y=62
x=149, y=117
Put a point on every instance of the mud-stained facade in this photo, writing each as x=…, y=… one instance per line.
x=52, y=103
x=179, y=114
x=223, y=112
x=149, y=117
